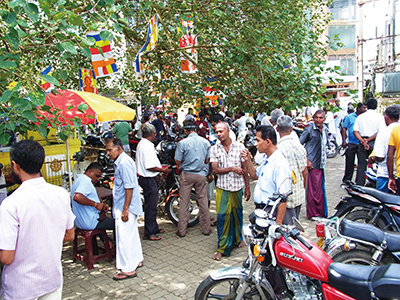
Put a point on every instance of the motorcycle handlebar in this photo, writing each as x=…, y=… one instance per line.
x=294, y=233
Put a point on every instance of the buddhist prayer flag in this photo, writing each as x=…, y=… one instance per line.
x=87, y=81
x=103, y=63
x=46, y=85
x=150, y=44
x=187, y=39
x=212, y=95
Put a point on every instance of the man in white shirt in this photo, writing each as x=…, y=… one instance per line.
x=148, y=167
x=381, y=147
x=241, y=125
x=365, y=130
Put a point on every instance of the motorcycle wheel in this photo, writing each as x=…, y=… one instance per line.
x=362, y=216
x=331, y=149
x=172, y=208
x=359, y=257
x=226, y=288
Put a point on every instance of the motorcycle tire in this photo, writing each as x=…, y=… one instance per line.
x=172, y=208
x=362, y=216
x=226, y=288
x=332, y=149
x=359, y=257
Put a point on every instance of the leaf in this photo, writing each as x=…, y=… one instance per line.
x=12, y=38
x=83, y=107
x=6, y=96
x=63, y=74
x=110, y=2
x=15, y=3
x=32, y=11
x=4, y=138
x=61, y=2
x=60, y=47
x=117, y=27
x=86, y=52
x=217, y=12
x=37, y=97
x=8, y=17
x=75, y=20
x=70, y=107
x=88, y=41
x=70, y=47
x=59, y=16
x=42, y=130
x=77, y=122
x=63, y=136
x=106, y=35
x=50, y=79
x=45, y=6
x=7, y=64
x=22, y=103
x=10, y=125
x=29, y=115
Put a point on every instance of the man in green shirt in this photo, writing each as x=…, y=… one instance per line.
x=121, y=131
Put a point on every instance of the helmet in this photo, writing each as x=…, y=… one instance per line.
x=79, y=156
x=106, y=136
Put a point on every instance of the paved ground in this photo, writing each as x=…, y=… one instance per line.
x=174, y=267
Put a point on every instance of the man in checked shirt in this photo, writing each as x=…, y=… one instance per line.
x=227, y=163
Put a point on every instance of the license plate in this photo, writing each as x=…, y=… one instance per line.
x=321, y=242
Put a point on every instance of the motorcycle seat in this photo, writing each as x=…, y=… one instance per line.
x=382, y=196
x=370, y=233
x=359, y=281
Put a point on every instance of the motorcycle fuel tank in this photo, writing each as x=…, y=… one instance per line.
x=311, y=263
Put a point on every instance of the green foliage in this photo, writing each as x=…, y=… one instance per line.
x=263, y=54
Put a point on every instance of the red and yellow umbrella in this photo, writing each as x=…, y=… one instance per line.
x=70, y=103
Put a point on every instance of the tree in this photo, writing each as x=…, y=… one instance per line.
x=261, y=54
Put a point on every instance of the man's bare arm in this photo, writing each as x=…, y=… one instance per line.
x=69, y=234
x=7, y=256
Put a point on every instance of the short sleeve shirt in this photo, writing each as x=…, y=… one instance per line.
x=86, y=216
x=368, y=123
x=146, y=158
x=121, y=131
x=394, y=140
x=33, y=221
x=192, y=152
x=229, y=181
x=125, y=178
x=273, y=177
x=348, y=123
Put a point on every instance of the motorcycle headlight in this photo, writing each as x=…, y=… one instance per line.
x=247, y=233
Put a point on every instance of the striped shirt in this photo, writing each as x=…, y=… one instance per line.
x=296, y=156
x=230, y=181
x=33, y=221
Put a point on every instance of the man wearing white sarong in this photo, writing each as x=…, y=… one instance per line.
x=127, y=206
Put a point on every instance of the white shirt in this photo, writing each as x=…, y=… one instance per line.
x=368, y=123
x=241, y=124
x=265, y=120
x=274, y=176
x=138, y=130
x=146, y=158
x=381, y=148
x=33, y=221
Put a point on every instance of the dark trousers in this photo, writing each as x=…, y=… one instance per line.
x=350, y=157
x=150, y=193
x=362, y=156
x=398, y=186
x=107, y=223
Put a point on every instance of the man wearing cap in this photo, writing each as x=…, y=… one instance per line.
x=191, y=156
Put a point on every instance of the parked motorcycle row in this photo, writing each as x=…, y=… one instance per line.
x=282, y=264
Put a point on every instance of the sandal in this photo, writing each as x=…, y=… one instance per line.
x=152, y=237
x=125, y=276
x=160, y=230
x=140, y=265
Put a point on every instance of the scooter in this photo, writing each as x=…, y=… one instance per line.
x=283, y=264
x=369, y=206
x=357, y=243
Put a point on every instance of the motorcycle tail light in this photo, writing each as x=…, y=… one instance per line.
x=320, y=229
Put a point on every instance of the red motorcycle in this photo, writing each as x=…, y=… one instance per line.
x=282, y=264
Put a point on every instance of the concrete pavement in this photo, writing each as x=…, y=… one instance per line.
x=174, y=267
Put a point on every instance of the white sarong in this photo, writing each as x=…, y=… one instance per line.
x=129, y=248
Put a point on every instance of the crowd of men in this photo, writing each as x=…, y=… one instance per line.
x=208, y=155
